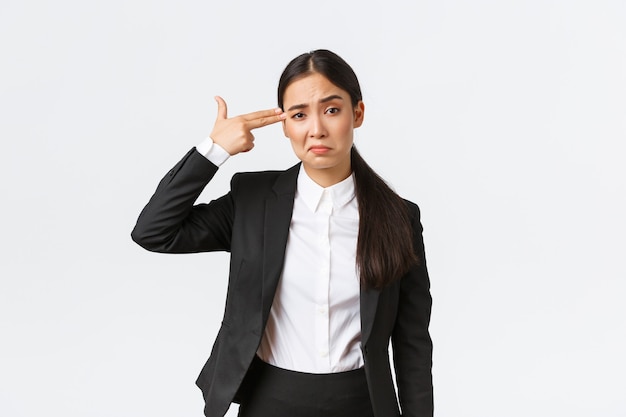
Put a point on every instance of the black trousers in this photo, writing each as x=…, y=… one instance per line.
x=276, y=392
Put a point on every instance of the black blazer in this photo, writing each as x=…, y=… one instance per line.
x=252, y=223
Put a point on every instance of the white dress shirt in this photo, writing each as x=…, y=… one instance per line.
x=314, y=324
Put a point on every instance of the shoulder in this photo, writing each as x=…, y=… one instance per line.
x=414, y=217
x=414, y=210
x=257, y=177
x=262, y=182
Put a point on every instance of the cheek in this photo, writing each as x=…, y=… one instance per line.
x=292, y=131
x=344, y=129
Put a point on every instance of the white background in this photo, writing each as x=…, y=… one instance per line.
x=504, y=120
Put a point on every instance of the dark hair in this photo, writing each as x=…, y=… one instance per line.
x=385, y=241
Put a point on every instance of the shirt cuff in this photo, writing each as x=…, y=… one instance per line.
x=212, y=151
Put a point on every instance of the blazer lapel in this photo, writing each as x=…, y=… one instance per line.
x=369, y=302
x=278, y=210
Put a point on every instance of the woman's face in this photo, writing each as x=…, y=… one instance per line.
x=320, y=123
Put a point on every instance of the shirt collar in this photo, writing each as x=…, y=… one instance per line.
x=312, y=193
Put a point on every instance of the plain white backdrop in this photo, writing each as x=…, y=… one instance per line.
x=504, y=120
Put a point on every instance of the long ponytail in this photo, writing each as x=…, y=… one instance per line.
x=385, y=243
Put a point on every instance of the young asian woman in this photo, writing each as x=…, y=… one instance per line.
x=327, y=262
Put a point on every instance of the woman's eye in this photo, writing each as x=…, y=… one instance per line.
x=298, y=116
x=332, y=110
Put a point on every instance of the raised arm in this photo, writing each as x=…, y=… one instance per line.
x=170, y=222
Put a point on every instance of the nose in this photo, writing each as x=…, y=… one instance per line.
x=317, y=129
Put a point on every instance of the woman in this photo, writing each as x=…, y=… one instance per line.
x=327, y=262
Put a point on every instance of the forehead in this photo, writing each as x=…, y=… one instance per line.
x=312, y=87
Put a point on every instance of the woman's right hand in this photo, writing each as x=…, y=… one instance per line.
x=234, y=134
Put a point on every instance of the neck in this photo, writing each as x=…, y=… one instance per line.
x=328, y=176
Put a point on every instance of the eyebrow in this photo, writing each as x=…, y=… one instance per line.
x=324, y=100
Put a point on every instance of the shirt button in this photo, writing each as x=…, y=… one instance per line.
x=321, y=309
x=323, y=353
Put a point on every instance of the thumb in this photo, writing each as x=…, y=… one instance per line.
x=222, y=109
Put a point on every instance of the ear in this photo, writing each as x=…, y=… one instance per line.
x=359, y=114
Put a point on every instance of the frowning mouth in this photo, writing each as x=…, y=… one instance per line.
x=319, y=150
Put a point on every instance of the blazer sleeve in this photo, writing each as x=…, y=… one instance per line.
x=171, y=223
x=411, y=342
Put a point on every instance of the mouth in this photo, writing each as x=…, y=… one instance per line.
x=319, y=149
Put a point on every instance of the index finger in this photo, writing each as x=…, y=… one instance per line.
x=261, y=113
x=264, y=118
